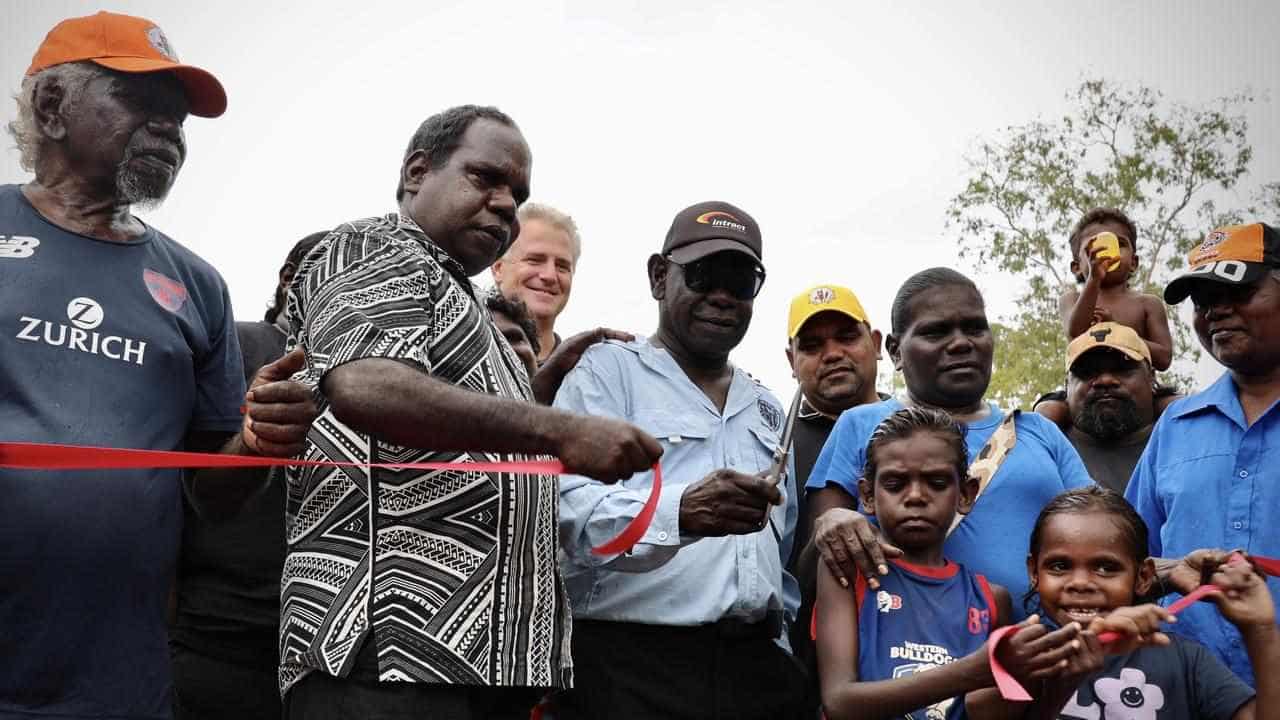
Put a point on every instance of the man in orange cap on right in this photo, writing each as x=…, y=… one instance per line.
x=1210, y=475
x=114, y=335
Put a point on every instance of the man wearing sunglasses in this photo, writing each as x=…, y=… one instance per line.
x=689, y=623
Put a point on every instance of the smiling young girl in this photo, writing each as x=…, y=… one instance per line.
x=1087, y=563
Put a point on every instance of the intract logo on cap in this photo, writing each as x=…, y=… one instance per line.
x=156, y=37
x=821, y=296
x=1101, y=335
x=718, y=218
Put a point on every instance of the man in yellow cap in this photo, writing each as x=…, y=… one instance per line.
x=115, y=335
x=832, y=350
x=1110, y=395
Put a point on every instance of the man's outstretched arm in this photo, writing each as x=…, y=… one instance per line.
x=403, y=405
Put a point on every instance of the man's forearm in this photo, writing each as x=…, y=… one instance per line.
x=1262, y=643
x=405, y=406
x=218, y=493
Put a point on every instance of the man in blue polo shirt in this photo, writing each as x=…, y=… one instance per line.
x=1210, y=476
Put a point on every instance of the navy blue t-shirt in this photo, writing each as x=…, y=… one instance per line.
x=922, y=618
x=1180, y=681
x=113, y=344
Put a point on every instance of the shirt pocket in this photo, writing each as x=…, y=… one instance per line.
x=686, y=442
x=757, y=447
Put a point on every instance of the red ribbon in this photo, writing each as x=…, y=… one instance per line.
x=1011, y=689
x=41, y=456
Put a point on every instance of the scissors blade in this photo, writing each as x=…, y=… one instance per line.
x=778, y=471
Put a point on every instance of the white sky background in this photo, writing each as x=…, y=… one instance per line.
x=840, y=126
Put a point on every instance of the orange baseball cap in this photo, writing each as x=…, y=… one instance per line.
x=132, y=45
x=1234, y=255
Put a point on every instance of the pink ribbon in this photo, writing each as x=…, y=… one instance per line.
x=42, y=456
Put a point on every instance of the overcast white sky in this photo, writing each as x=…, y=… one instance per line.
x=840, y=126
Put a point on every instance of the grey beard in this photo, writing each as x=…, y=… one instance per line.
x=1112, y=423
x=142, y=189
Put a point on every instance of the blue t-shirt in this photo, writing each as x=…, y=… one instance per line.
x=113, y=344
x=919, y=619
x=993, y=538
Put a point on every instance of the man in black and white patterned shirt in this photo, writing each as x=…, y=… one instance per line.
x=428, y=594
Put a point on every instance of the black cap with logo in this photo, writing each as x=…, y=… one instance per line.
x=711, y=227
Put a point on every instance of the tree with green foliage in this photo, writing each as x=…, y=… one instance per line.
x=1168, y=165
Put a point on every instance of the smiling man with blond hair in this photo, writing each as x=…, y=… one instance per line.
x=538, y=269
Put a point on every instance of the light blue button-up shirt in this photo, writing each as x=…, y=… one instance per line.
x=1208, y=479
x=670, y=577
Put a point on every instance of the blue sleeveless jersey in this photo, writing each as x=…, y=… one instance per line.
x=919, y=619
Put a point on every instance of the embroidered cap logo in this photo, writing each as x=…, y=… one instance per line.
x=156, y=37
x=821, y=296
x=721, y=219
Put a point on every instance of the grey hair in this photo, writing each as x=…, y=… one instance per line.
x=73, y=77
x=555, y=218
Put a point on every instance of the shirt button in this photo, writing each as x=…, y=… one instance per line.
x=1244, y=473
x=662, y=536
x=1237, y=524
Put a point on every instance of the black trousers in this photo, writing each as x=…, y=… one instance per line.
x=323, y=697
x=206, y=688
x=361, y=697
x=629, y=671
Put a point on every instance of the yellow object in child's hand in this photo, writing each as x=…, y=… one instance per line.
x=1110, y=245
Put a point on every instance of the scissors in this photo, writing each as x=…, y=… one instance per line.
x=777, y=473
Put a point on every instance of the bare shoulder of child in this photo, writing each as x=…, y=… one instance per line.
x=1123, y=306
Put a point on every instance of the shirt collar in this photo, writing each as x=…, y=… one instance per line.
x=1220, y=396
x=807, y=411
x=742, y=389
x=407, y=224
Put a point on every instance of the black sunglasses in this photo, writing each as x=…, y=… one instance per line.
x=704, y=275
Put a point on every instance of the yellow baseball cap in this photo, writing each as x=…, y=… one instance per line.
x=821, y=298
x=1113, y=335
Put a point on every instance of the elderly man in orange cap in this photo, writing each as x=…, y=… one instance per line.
x=114, y=335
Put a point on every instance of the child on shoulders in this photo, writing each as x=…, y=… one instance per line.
x=1104, y=295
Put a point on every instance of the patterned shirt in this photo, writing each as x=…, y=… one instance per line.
x=454, y=572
